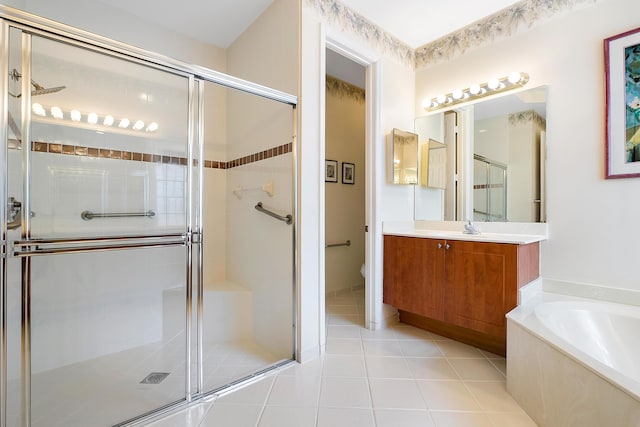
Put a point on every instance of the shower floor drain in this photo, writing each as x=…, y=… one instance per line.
x=155, y=378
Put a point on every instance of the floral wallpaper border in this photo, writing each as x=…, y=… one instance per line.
x=503, y=23
x=341, y=89
x=349, y=21
x=524, y=117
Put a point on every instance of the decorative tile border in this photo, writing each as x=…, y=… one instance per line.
x=349, y=21
x=256, y=157
x=341, y=89
x=106, y=153
x=501, y=24
x=487, y=186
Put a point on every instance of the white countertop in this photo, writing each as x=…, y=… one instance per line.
x=513, y=233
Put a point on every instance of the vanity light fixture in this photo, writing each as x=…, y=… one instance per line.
x=38, y=109
x=76, y=115
x=56, y=112
x=491, y=87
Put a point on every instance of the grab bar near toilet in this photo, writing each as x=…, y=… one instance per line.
x=335, y=245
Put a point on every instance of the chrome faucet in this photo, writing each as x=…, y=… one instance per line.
x=469, y=228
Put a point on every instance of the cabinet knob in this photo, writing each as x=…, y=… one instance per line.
x=447, y=246
x=439, y=245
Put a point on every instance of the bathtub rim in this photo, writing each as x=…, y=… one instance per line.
x=525, y=317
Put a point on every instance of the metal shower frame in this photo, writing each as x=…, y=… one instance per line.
x=197, y=75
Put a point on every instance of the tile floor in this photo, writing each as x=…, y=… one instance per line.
x=120, y=395
x=399, y=377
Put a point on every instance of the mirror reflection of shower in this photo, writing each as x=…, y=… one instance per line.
x=489, y=190
x=38, y=89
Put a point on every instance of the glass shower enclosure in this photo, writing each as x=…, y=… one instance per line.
x=147, y=239
x=489, y=190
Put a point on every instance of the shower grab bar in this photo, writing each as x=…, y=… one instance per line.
x=88, y=215
x=335, y=245
x=286, y=218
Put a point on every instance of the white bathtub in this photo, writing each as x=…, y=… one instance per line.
x=575, y=361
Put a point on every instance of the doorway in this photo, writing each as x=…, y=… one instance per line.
x=345, y=191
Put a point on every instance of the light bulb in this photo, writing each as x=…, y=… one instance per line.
x=108, y=120
x=138, y=125
x=456, y=94
x=514, y=78
x=474, y=89
x=124, y=123
x=493, y=84
x=153, y=126
x=441, y=99
x=56, y=112
x=38, y=109
x=76, y=116
x=92, y=118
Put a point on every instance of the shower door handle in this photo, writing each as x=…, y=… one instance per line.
x=14, y=217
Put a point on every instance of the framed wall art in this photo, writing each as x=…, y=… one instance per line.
x=348, y=173
x=331, y=171
x=622, y=68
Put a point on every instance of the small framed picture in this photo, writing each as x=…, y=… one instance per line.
x=622, y=66
x=331, y=171
x=348, y=173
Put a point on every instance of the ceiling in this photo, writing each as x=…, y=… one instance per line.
x=220, y=22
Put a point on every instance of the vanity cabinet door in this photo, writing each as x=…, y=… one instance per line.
x=480, y=285
x=414, y=274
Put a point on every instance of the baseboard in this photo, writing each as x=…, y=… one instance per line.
x=308, y=354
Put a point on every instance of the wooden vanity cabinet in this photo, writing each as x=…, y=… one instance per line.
x=460, y=289
x=411, y=268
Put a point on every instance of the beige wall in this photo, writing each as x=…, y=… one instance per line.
x=344, y=203
x=593, y=230
x=267, y=52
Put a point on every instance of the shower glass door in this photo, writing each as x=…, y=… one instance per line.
x=98, y=278
x=247, y=322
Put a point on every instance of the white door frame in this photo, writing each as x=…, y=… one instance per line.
x=370, y=60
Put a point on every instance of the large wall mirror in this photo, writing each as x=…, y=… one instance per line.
x=495, y=160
